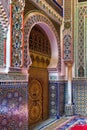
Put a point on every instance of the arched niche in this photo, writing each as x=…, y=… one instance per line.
x=30, y=21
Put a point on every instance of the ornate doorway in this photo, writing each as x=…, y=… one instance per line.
x=41, y=62
x=40, y=53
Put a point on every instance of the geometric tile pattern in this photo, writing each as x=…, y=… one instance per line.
x=80, y=40
x=67, y=10
x=73, y=122
x=69, y=109
x=13, y=76
x=53, y=103
x=16, y=24
x=56, y=97
x=67, y=32
x=13, y=106
x=61, y=90
x=1, y=45
x=80, y=97
x=67, y=48
x=85, y=45
x=16, y=35
x=76, y=40
x=65, y=123
x=66, y=93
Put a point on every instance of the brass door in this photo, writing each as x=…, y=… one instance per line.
x=35, y=102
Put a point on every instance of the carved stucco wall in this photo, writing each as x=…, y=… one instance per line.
x=80, y=36
x=46, y=24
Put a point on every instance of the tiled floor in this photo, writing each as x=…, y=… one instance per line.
x=73, y=122
x=51, y=124
x=64, y=123
x=43, y=124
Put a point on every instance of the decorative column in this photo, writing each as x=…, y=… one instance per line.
x=10, y=33
x=68, y=94
x=22, y=46
x=68, y=52
x=69, y=90
x=16, y=34
x=61, y=42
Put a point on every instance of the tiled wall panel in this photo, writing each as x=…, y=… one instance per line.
x=13, y=106
x=57, y=98
x=80, y=97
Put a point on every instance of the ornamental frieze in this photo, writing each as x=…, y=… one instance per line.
x=49, y=10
